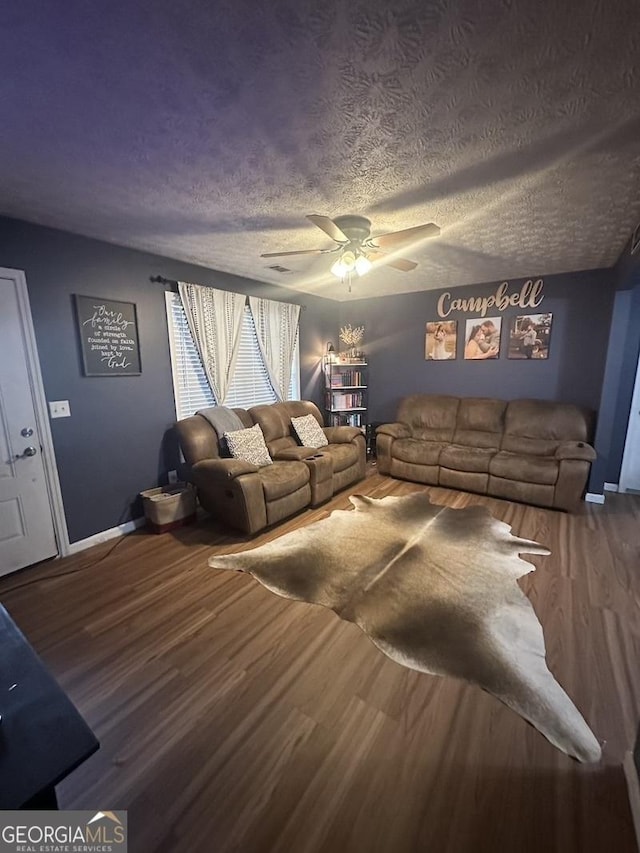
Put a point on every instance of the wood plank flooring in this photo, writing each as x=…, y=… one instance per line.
x=234, y=720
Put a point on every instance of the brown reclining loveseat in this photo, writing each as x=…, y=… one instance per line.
x=248, y=497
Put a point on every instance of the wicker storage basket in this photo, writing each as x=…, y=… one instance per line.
x=168, y=507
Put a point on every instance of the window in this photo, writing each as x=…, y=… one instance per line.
x=250, y=385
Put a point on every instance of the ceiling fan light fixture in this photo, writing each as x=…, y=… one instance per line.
x=339, y=269
x=349, y=260
x=363, y=265
x=346, y=263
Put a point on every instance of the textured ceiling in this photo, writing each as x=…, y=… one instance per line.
x=206, y=131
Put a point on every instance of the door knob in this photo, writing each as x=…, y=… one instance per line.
x=28, y=451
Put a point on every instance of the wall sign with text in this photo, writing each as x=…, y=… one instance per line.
x=529, y=296
x=108, y=336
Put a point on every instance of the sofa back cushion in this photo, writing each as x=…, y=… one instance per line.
x=430, y=417
x=537, y=427
x=480, y=422
x=275, y=422
x=199, y=440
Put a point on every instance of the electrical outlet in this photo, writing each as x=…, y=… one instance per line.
x=60, y=409
x=172, y=476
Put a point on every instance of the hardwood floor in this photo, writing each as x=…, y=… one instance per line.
x=234, y=720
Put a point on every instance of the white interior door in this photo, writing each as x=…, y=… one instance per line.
x=630, y=471
x=26, y=523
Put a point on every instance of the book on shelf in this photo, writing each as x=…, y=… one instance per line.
x=347, y=378
x=346, y=401
x=354, y=419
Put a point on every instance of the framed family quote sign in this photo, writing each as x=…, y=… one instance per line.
x=108, y=332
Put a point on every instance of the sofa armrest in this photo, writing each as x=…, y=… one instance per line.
x=340, y=435
x=575, y=450
x=394, y=430
x=221, y=469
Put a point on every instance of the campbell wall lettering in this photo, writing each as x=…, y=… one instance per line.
x=530, y=295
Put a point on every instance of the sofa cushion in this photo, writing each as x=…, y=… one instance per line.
x=528, y=493
x=283, y=478
x=465, y=481
x=309, y=431
x=472, y=459
x=429, y=417
x=198, y=439
x=248, y=444
x=428, y=474
x=418, y=451
x=538, y=427
x=480, y=422
x=342, y=455
x=275, y=422
x=525, y=469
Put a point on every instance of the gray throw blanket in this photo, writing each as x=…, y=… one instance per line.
x=222, y=419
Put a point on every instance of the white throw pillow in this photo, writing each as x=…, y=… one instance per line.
x=248, y=445
x=309, y=431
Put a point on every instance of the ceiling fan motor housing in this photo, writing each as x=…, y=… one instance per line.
x=356, y=228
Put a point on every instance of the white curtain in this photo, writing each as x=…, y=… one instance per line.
x=215, y=321
x=277, y=330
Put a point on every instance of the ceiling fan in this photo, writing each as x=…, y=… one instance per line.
x=358, y=249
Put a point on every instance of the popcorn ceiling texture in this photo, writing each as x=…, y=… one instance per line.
x=207, y=131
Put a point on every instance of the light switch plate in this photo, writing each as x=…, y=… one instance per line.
x=59, y=409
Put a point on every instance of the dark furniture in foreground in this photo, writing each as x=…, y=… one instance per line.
x=42, y=735
x=532, y=451
x=250, y=498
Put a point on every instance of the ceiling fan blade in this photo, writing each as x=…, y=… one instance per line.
x=299, y=252
x=418, y=232
x=398, y=263
x=401, y=264
x=328, y=226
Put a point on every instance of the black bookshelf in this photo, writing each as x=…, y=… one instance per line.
x=346, y=384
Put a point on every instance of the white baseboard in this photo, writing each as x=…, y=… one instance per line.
x=105, y=535
x=611, y=487
x=592, y=498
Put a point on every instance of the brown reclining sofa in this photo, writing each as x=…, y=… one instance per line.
x=250, y=498
x=533, y=451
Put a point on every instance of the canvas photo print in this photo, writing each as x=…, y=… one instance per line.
x=440, y=340
x=482, y=338
x=529, y=336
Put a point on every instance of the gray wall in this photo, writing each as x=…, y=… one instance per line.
x=581, y=304
x=621, y=366
x=118, y=439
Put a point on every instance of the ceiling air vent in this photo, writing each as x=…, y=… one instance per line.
x=278, y=268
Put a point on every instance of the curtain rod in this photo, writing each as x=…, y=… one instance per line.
x=160, y=279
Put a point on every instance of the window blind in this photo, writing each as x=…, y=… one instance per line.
x=190, y=386
x=250, y=385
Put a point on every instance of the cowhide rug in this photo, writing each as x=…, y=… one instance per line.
x=435, y=589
